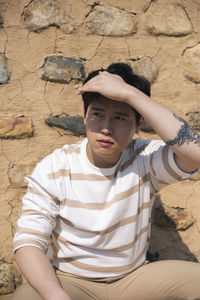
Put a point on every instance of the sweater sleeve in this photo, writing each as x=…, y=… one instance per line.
x=163, y=167
x=39, y=211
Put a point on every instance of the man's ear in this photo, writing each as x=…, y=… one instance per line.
x=84, y=116
x=140, y=123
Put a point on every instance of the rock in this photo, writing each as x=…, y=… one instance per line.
x=16, y=173
x=72, y=123
x=194, y=119
x=10, y=278
x=63, y=69
x=191, y=63
x=172, y=217
x=40, y=14
x=146, y=68
x=15, y=128
x=110, y=21
x=167, y=19
x=4, y=76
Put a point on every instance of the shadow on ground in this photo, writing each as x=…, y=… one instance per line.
x=166, y=242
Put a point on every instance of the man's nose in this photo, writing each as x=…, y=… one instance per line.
x=107, y=127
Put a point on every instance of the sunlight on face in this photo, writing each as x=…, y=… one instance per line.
x=110, y=126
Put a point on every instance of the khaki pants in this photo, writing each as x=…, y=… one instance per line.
x=169, y=279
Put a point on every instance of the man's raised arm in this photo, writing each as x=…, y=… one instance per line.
x=172, y=129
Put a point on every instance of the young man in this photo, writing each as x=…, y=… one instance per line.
x=95, y=199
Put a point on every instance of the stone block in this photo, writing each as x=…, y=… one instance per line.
x=63, y=69
x=10, y=278
x=167, y=19
x=191, y=63
x=145, y=67
x=40, y=14
x=4, y=76
x=15, y=128
x=16, y=173
x=72, y=123
x=172, y=218
x=111, y=21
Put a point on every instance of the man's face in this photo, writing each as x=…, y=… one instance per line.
x=110, y=126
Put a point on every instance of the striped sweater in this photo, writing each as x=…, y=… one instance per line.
x=98, y=220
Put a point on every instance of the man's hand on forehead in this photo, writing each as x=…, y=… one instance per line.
x=108, y=85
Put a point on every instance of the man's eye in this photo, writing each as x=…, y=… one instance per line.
x=98, y=114
x=119, y=118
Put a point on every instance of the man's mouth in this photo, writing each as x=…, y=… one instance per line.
x=105, y=143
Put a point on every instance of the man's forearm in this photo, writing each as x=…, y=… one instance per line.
x=184, y=141
x=39, y=272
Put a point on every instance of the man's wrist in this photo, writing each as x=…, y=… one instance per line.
x=129, y=95
x=133, y=97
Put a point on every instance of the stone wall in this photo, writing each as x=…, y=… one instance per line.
x=47, y=47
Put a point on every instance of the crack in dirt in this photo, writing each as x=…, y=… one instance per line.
x=148, y=5
x=190, y=195
x=55, y=43
x=128, y=47
x=97, y=48
x=4, y=154
x=185, y=10
x=45, y=98
x=198, y=98
x=6, y=42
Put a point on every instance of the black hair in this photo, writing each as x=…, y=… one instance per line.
x=126, y=73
